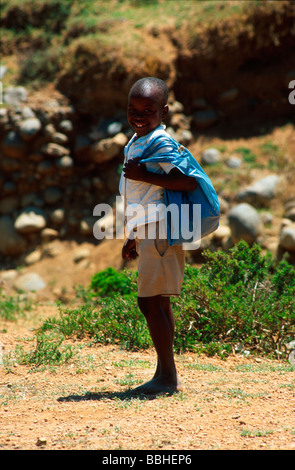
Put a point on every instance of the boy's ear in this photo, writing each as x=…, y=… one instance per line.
x=165, y=111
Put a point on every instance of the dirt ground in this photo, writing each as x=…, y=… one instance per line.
x=242, y=403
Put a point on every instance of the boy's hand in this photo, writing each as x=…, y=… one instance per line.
x=134, y=170
x=129, y=249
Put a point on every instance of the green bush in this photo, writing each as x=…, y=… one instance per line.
x=238, y=298
x=111, y=282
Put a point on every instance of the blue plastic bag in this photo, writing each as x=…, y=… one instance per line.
x=197, y=211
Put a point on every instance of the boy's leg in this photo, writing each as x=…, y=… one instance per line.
x=167, y=309
x=160, y=320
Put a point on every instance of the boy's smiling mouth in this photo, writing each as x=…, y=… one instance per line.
x=139, y=125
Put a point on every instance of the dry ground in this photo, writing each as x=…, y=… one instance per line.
x=241, y=403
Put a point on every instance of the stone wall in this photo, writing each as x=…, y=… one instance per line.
x=56, y=166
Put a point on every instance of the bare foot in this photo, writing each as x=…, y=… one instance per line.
x=158, y=385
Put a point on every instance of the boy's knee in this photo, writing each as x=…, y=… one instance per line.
x=148, y=304
x=142, y=305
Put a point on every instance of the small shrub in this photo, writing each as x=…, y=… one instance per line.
x=48, y=350
x=12, y=307
x=239, y=296
x=111, y=282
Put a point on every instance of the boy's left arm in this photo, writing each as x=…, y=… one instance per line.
x=174, y=180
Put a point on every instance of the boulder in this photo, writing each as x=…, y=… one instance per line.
x=210, y=156
x=287, y=238
x=260, y=192
x=54, y=150
x=14, y=95
x=31, y=282
x=29, y=128
x=106, y=149
x=30, y=220
x=245, y=223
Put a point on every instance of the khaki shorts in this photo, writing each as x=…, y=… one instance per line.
x=160, y=267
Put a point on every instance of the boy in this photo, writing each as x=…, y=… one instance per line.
x=160, y=266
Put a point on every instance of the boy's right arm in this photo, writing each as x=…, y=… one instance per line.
x=129, y=249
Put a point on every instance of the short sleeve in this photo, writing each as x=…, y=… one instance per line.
x=167, y=167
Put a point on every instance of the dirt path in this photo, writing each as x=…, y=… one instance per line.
x=237, y=404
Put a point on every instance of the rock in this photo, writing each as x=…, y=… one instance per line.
x=180, y=120
x=66, y=126
x=106, y=149
x=59, y=138
x=27, y=112
x=9, y=275
x=14, y=95
x=31, y=220
x=222, y=232
x=54, y=150
x=11, y=243
x=287, y=238
x=29, y=282
x=41, y=441
x=175, y=107
x=245, y=223
x=184, y=136
x=210, y=156
x=205, y=119
x=48, y=234
x=260, y=192
x=114, y=128
x=65, y=163
x=86, y=226
x=57, y=216
x=290, y=210
x=233, y=162
x=81, y=254
x=32, y=257
x=29, y=128
x=13, y=146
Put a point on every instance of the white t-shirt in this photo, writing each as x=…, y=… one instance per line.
x=143, y=200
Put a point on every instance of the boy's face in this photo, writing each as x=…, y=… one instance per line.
x=145, y=112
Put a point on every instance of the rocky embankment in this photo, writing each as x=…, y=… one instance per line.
x=56, y=168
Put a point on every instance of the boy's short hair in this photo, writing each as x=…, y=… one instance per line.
x=145, y=84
